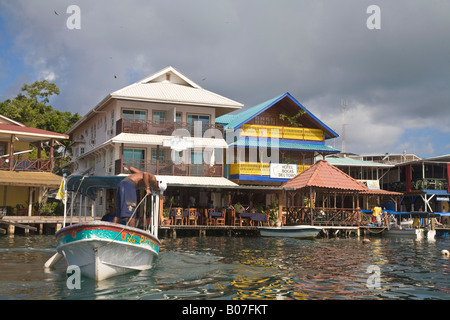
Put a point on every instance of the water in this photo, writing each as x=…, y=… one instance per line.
x=242, y=268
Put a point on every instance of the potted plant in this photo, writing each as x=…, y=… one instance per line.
x=273, y=213
x=166, y=213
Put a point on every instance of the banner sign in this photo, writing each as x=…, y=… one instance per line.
x=283, y=171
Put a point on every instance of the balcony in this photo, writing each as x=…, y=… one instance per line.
x=172, y=169
x=420, y=184
x=17, y=164
x=278, y=132
x=165, y=128
x=257, y=169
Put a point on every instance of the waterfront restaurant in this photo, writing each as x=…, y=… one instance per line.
x=325, y=195
x=163, y=124
x=269, y=144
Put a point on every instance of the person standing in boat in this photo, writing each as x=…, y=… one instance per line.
x=126, y=194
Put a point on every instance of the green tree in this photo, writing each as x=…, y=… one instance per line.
x=31, y=107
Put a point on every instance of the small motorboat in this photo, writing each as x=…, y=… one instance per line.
x=297, y=231
x=104, y=249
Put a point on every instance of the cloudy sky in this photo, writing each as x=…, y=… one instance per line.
x=395, y=79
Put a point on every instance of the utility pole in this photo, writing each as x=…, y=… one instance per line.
x=344, y=106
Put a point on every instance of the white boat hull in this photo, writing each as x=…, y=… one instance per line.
x=104, y=250
x=299, y=232
x=408, y=233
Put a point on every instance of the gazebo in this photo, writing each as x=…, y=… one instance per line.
x=314, y=194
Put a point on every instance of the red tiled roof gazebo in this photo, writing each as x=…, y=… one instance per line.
x=325, y=178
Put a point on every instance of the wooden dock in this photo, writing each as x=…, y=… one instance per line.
x=202, y=230
x=37, y=224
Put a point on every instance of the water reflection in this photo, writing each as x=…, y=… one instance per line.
x=243, y=268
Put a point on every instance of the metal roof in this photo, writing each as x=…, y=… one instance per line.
x=175, y=89
x=283, y=144
x=189, y=181
x=29, y=179
x=349, y=162
x=244, y=116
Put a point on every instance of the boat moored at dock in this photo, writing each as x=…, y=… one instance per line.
x=105, y=249
x=298, y=231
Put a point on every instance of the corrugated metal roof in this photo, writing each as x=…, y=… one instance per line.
x=218, y=182
x=29, y=179
x=324, y=175
x=338, y=161
x=176, y=88
x=283, y=144
x=246, y=115
x=152, y=139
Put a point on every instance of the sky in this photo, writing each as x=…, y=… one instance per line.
x=390, y=66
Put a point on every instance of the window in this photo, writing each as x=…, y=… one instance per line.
x=156, y=156
x=134, y=114
x=112, y=119
x=3, y=146
x=134, y=158
x=196, y=157
x=178, y=119
x=193, y=120
x=159, y=117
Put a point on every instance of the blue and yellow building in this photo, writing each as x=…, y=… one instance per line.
x=272, y=142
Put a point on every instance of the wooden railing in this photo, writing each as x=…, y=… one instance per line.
x=26, y=164
x=166, y=128
x=327, y=216
x=263, y=131
x=172, y=169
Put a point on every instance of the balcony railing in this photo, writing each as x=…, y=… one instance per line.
x=26, y=164
x=165, y=128
x=257, y=169
x=172, y=169
x=263, y=131
x=420, y=184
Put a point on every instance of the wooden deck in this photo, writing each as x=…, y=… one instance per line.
x=39, y=224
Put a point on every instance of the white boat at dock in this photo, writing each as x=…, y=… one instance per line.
x=298, y=231
x=104, y=249
x=417, y=225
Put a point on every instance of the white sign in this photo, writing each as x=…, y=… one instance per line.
x=371, y=184
x=283, y=171
x=443, y=199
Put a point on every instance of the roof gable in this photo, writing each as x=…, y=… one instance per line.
x=244, y=116
x=324, y=175
x=170, y=75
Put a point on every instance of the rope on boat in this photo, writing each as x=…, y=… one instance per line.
x=126, y=225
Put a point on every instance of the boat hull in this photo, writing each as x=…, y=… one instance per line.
x=406, y=233
x=299, y=232
x=102, y=250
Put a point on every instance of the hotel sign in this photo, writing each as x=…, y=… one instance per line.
x=283, y=171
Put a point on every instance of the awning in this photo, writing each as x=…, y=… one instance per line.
x=88, y=185
x=29, y=179
x=149, y=139
x=188, y=181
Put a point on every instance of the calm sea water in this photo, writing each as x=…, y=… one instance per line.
x=243, y=268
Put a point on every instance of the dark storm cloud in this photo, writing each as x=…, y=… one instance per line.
x=321, y=52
